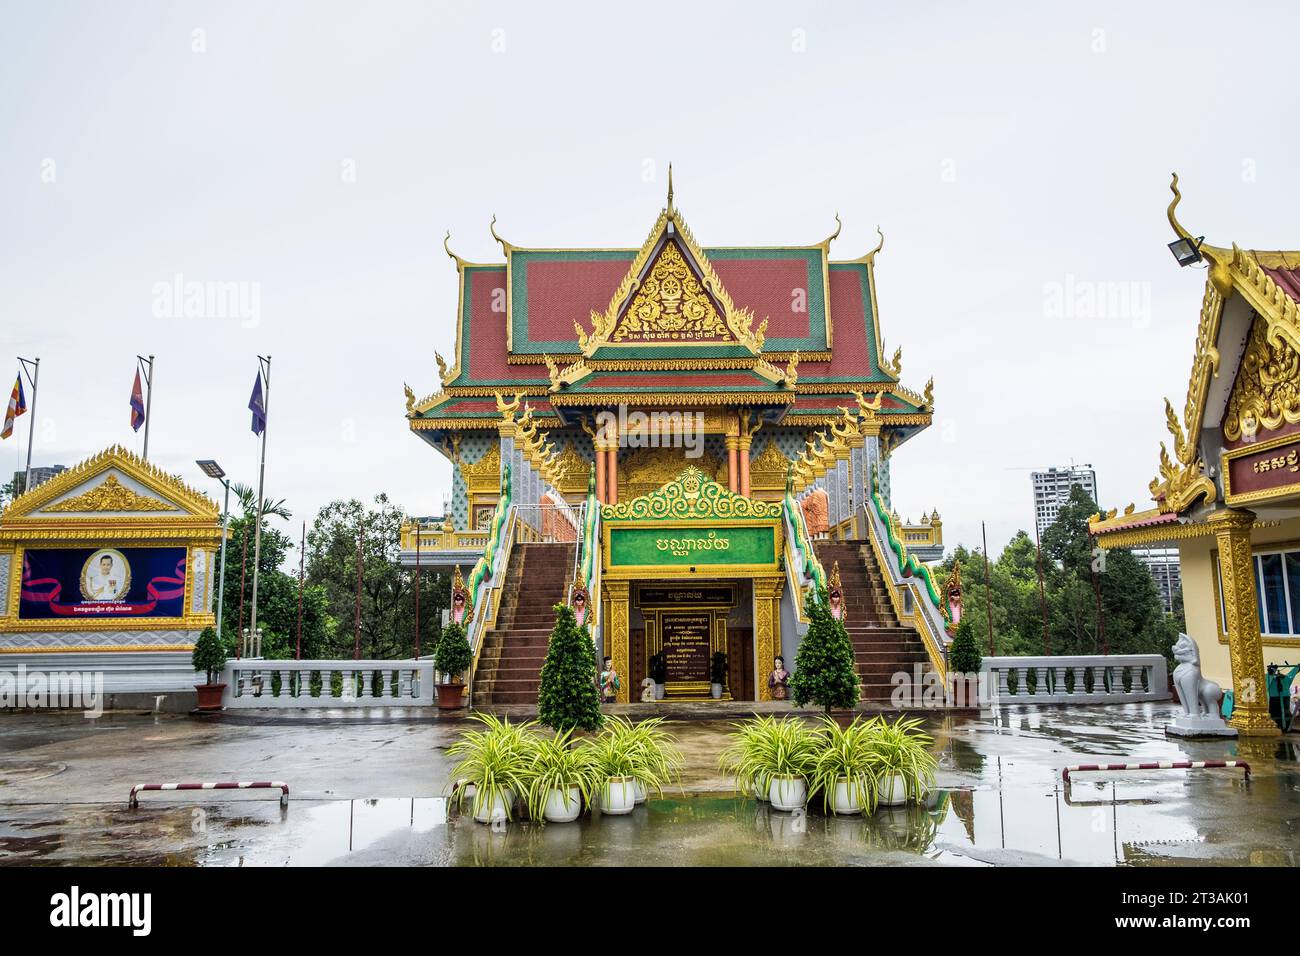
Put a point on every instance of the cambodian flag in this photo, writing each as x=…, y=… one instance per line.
x=17, y=405
x=137, y=403
x=257, y=405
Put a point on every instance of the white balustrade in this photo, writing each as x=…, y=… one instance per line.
x=301, y=685
x=1043, y=680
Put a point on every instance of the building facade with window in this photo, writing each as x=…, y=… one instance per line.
x=1052, y=492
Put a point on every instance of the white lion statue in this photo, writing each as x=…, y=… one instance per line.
x=1199, y=697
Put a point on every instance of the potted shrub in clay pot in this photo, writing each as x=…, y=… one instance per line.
x=659, y=673
x=209, y=657
x=825, y=669
x=495, y=763
x=717, y=675
x=451, y=658
x=964, y=661
x=772, y=759
x=901, y=760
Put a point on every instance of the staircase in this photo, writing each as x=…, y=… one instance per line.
x=510, y=663
x=882, y=646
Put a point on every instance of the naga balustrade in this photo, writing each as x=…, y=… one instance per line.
x=1083, y=679
x=303, y=685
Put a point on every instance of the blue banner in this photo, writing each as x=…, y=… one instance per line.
x=98, y=583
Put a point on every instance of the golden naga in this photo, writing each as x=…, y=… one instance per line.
x=927, y=398
x=508, y=409
x=583, y=338
x=1129, y=509
x=442, y=367
x=869, y=409
x=791, y=373
x=894, y=367
x=1175, y=429
x=553, y=370
x=410, y=400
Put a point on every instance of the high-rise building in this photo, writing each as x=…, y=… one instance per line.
x=1052, y=490
x=40, y=473
x=1165, y=571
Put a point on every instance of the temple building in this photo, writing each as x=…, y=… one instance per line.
x=686, y=438
x=1227, y=494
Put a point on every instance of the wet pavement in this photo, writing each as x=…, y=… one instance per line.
x=369, y=789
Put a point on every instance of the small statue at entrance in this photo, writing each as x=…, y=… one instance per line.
x=461, y=610
x=578, y=601
x=609, y=682
x=779, y=680
x=1199, y=696
x=835, y=593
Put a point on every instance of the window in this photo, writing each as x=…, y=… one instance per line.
x=1277, y=593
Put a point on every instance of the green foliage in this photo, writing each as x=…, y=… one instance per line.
x=846, y=754
x=453, y=655
x=902, y=748
x=964, y=654
x=824, y=671
x=209, y=655
x=718, y=668
x=495, y=760
x=567, y=698
x=557, y=764
x=765, y=747
x=642, y=751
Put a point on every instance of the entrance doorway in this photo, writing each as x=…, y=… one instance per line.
x=682, y=627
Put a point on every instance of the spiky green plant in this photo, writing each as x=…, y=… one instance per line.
x=643, y=751
x=558, y=764
x=903, y=748
x=846, y=754
x=765, y=747
x=495, y=760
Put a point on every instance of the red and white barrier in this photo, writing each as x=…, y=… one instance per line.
x=1157, y=765
x=223, y=785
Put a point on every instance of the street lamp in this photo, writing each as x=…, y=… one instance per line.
x=1186, y=249
x=213, y=470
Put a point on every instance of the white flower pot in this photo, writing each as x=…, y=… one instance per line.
x=562, y=807
x=497, y=808
x=893, y=791
x=845, y=798
x=762, y=787
x=788, y=793
x=715, y=691
x=618, y=796
x=639, y=788
x=660, y=690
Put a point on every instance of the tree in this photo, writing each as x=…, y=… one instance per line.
x=964, y=654
x=453, y=655
x=824, y=671
x=567, y=698
x=387, y=588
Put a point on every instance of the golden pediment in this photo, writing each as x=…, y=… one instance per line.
x=484, y=475
x=110, y=495
x=671, y=305
x=644, y=470
x=767, y=469
x=1266, y=394
x=690, y=495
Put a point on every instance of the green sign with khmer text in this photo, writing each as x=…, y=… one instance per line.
x=678, y=547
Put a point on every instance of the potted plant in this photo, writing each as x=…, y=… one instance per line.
x=561, y=779
x=901, y=760
x=209, y=657
x=717, y=674
x=658, y=758
x=964, y=661
x=632, y=760
x=773, y=758
x=659, y=673
x=495, y=762
x=825, y=671
x=452, y=658
x=567, y=698
x=844, y=771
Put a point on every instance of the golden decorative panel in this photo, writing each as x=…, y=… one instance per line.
x=111, y=495
x=1266, y=393
x=767, y=469
x=691, y=495
x=671, y=305
x=645, y=470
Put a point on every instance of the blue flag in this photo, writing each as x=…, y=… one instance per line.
x=257, y=405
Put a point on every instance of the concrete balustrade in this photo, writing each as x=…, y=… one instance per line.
x=1010, y=678
x=302, y=685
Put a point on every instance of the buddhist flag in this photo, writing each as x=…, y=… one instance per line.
x=257, y=405
x=137, y=403
x=17, y=405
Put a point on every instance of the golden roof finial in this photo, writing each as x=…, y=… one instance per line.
x=836, y=234
x=670, y=189
x=1173, y=218
x=492, y=227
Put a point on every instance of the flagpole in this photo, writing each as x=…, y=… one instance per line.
x=264, y=365
x=148, y=401
x=31, y=426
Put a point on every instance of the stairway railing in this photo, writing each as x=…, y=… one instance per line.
x=807, y=569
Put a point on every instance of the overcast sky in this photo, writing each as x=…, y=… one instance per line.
x=1018, y=162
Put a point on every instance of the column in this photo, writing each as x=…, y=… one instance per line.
x=1245, y=646
x=767, y=631
x=611, y=466
x=733, y=471
x=616, y=633
x=599, y=448
x=742, y=454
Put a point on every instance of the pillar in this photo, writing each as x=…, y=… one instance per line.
x=599, y=448
x=1245, y=647
x=616, y=633
x=767, y=631
x=733, y=472
x=611, y=474
x=742, y=453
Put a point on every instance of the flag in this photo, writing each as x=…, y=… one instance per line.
x=17, y=405
x=257, y=405
x=137, y=403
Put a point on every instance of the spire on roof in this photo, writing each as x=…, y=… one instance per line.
x=670, y=189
